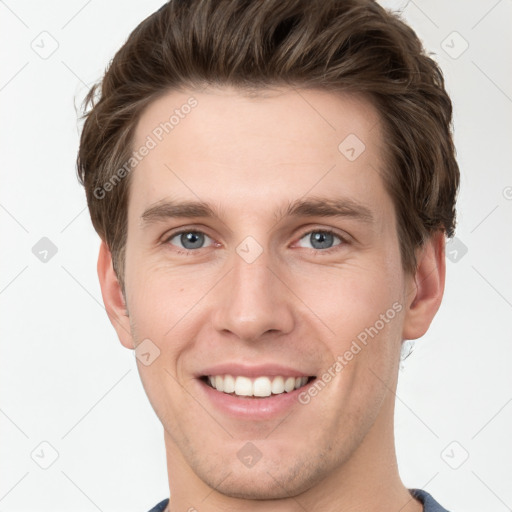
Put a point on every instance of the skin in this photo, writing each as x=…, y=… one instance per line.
x=250, y=156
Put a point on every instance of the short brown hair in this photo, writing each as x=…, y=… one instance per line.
x=334, y=45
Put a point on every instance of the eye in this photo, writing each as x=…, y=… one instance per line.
x=320, y=240
x=189, y=240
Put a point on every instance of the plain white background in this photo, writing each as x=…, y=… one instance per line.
x=67, y=382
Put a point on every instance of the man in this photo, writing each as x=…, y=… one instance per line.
x=273, y=183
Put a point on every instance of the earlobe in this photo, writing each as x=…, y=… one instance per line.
x=425, y=289
x=113, y=297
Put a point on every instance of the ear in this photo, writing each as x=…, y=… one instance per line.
x=424, y=289
x=113, y=297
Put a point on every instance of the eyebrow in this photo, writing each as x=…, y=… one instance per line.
x=310, y=207
x=328, y=207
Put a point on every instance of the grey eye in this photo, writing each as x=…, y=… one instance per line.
x=320, y=240
x=189, y=240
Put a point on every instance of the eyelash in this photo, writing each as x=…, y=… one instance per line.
x=188, y=252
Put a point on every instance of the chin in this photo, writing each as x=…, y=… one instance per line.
x=265, y=481
x=258, y=486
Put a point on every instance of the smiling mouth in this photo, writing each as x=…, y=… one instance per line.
x=259, y=387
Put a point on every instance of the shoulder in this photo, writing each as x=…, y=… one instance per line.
x=161, y=506
x=429, y=503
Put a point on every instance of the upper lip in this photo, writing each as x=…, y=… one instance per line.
x=252, y=371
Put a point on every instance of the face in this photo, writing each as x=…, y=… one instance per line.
x=262, y=259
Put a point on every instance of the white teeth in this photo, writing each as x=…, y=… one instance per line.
x=261, y=386
x=219, y=383
x=289, y=384
x=278, y=385
x=243, y=386
x=229, y=384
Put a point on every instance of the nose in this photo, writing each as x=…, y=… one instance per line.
x=253, y=301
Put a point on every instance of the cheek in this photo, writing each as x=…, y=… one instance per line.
x=352, y=293
x=161, y=297
x=161, y=308
x=358, y=307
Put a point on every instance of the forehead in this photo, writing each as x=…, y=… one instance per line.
x=224, y=145
x=285, y=115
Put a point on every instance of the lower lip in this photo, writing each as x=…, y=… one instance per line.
x=259, y=408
